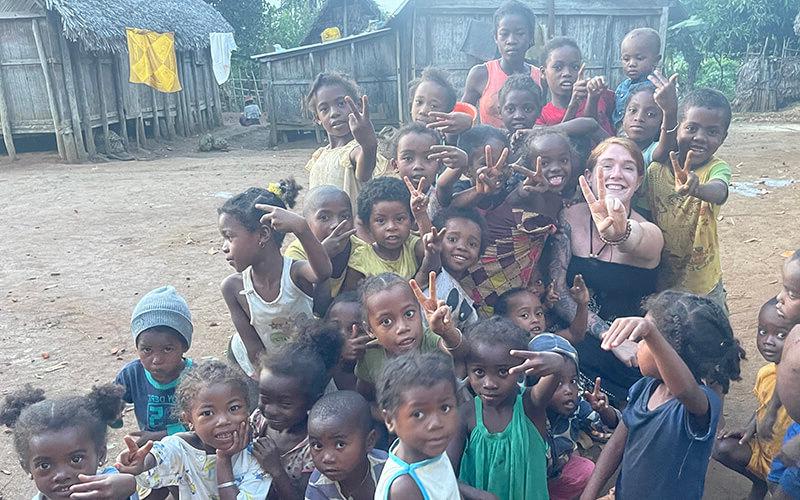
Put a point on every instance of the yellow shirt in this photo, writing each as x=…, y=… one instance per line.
x=691, y=246
x=364, y=259
x=763, y=390
x=370, y=367
x=296, y=251
x=332, y=166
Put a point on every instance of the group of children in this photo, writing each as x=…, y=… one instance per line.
x=405, y=343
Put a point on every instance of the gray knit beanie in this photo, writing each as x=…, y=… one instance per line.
x=162, y=307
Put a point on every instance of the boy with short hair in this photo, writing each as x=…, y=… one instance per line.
x=341, y=436
x=161, y=325
x=686, y=197
x=641, y=53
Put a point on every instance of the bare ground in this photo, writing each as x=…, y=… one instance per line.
x=82, y=243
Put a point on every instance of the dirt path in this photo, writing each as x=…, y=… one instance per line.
x=82, y=243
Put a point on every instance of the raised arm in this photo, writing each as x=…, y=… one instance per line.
x=366, y=156
x=666, y=97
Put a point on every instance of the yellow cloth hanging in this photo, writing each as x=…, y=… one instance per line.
x=152, y=59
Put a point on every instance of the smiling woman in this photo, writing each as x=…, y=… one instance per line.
x=615, y=249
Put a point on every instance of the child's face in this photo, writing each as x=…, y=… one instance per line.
x=526, y=311
x=556, y=160
x=239, y=245
x=332, y=111
x=620, y=173
x=430, y=96
x=513, y=37
x=520, y=110
x=412, y=159
x=425, y=421
x=339, y=451
x=789, y=298
x=390, y=224
x=772, y=331
x=487, y=370
x=642, y=119
x=393, y=317
x=281, y=400
x=477, y=159
x=561, y=70
x=329, y=213
x=56, y=459
x=346, y=315
x=537, y=286
x=701, y=131
x=217, y=411
x=565, y=399
x=161, y=352
x=638, y=58
x=461, y=246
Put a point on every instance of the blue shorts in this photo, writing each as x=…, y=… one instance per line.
x=778, y=469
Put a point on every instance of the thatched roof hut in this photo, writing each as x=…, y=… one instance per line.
x=350, y=16
x=64, y=71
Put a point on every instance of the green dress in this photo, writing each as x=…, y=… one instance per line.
x=512, y=464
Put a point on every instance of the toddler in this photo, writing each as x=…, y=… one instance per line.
x=342, y=440
x=417, y=396
x=161, y=325
x=351, y=156
x=641, y=53
x=751, y=450
x=61, y=442
x=663, y=443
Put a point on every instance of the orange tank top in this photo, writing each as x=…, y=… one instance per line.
x=489, y=107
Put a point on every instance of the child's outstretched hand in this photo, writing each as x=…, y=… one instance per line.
x=131, y=461
x=355, y=345
x=266, y=453
x=552, y=296
x=281, y=219
x=241, y=437
x=579, y=292
x=686, y=181
x=336, y=242
x=539, y=364
x=454, y=122
x=535, y=182
x=608, y=213
x=360, y=124
x=595, y=86
x=596, y=398
x=103, y=486
x=419, y=200
x=518, y=138
x=666, y=94
x=623, y=329
x=450, y=156
x=437, y=312
x=489, y=177
x=579, y=89
x=433, y=241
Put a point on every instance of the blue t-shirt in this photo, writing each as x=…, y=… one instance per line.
x=666, y=454
x=152, y=401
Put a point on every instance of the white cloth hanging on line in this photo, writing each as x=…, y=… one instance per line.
x=221, y=46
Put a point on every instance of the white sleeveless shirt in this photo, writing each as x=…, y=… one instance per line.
x=272, y=320
x=434, y=477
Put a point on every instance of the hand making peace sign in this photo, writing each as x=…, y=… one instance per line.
x=489, y=177
x=686, y=181
x=436, y=311
x=419, y=200
x=131, y=461
x=666, y=94
x=609, y=214
x=360, y=124
x=450, y=156
x=433, y=241
x=535, y=182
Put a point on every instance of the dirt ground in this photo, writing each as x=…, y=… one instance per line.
x=83, y=242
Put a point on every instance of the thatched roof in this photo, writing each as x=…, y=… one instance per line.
x=359, y=14
x=99, y=25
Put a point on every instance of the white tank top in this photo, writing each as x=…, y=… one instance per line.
x=272, y=321
x=434, y=477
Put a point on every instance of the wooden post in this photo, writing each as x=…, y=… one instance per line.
x=168, y=116
x=186, y=96
x=69, y=80
x=5, y=122
x=201, y=119
x=271, y=115
x=101, y=89
x=182, y=125
x=206, y=96
x=119, y=95
x=156, y=124
x=551, y=19
x=83, y=97
x=51, y=100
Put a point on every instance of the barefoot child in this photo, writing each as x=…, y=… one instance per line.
x=268, y=291
x=513, y=33
x=213, y=459
x=500, y=444
x=61, y=442
x=641, y=53
x=351, y=156
x=161, y=325
x=750, y=451
x=417, y=396
x=663, y=443
x=342, y=437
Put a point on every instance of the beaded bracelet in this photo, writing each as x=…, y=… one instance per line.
x=622, y=239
